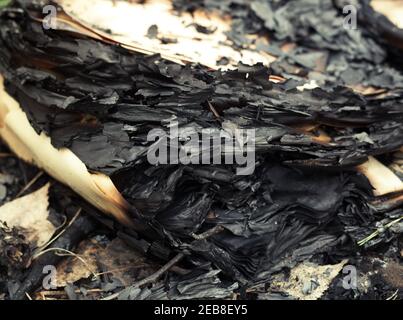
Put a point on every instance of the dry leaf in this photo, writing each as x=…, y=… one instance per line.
x=30, y=213
x=306, y=273
x=116, y=259
x=73, y=269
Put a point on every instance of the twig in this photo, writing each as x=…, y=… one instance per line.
x=214, y=111
x=40, y=249
x=152, y=278
x=393, y=296
x=378, y=231
x=155, y=276
x=29, y=184
x=69, y=253
x=208, y=233
x=121, y=269
x=6, y=155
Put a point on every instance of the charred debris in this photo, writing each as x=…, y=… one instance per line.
x=306, y=198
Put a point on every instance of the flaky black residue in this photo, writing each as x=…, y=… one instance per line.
x=303, y=198
x=15, y=251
